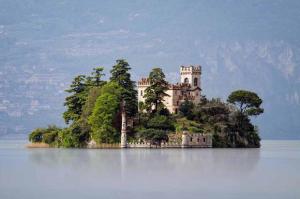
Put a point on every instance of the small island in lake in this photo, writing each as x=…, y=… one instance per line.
x=152, y=114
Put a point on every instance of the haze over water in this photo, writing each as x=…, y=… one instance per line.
x=269, y=172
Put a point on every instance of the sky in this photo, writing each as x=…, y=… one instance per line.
x=252, y=45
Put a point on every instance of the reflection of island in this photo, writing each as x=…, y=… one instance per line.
x=142, y=172
x=146, y=162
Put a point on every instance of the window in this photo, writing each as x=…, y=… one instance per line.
x=186, y=80
x=176, y=111
x=195, y=81
x=198, y=140
x=191, y=139
x=141, y=92
x=203, y=139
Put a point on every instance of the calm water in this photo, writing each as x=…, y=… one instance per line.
x=270, y=172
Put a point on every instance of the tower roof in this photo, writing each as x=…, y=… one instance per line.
x=190, y=68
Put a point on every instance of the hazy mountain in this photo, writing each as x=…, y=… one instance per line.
x=240, y=44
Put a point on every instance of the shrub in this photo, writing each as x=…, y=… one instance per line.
x=36, y=135
x=154, y=136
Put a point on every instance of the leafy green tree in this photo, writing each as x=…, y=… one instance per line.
x=154, y=136
x=186, y=109
x=104, y=114
x=212, y=112
x=50, y=135
x=66, y=138
x=120, y=74
x=78, y=134
x=160, y=122
x=96, y=78
x=155, y=93
x=88, y=107
x=156, y=129
x=47, y=135
x=247, y=102
x=36, y=135
x=75, y=102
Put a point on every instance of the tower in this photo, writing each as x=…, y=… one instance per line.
x=191, y=75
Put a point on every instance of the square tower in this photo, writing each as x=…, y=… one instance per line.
x=191, y=75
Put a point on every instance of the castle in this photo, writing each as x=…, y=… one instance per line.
x=189, y=88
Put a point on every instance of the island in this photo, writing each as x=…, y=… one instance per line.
x=118, y=113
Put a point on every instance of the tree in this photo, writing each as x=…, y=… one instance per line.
x=154, y=136
x=186, y=109
x=36, y=135
x=105, y=113
x=96, y=78
x=247, y=102
x=120, y=74
x=156, y=92
x=161, y=122
x=75, y=102
x=47, y=135
x=156, y=129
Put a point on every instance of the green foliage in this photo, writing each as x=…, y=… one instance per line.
x=66, y=138
x=161, y=122
x=155, y=93
x=186, y=109
x=154, y=128
x=79, y=90
x=36, y=135
x=253, y=138
x=212, y=112
x=104, y=114
x=218, y=141
x=96, y=78
x=47, y=135
x=120, y=74
x=247, y=102
x=88, y=107
x=189, y=125
x=75, y=102
x=154, y=136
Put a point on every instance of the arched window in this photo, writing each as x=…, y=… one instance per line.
x=186, y=80
x=195, y=81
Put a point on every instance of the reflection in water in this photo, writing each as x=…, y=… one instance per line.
x=130, y=165
x=150, y=173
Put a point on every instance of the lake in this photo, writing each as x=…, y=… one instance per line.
x=273, y=171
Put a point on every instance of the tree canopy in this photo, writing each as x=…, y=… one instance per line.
x=247, y=102
x=105, y=113
x=120, y=74
x=156, y=92
x=76, y=100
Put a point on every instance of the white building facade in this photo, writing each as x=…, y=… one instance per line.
x=188, y=88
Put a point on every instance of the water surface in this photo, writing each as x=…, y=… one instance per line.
x=269, y=172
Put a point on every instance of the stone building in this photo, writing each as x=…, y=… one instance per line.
x=189, y=88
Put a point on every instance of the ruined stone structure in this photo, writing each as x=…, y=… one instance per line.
x=185, y=140
x=189, y=88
